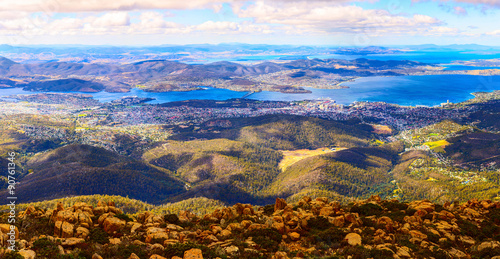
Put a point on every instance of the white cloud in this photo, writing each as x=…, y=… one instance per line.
x=217, y=27
x=61, y=6
x=65, y=24
x=458, y=10
x=232, y=28
x=112, y=19
x=493, y=33
x=120, y=23
x=316, y=17
x=442, y=30
x=491, y=3
x=296, y=17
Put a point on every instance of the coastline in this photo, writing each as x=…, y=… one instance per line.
x=369, y=91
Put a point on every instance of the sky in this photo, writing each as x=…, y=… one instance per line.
x=296, y=22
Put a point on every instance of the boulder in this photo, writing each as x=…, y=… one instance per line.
x=67, y=230
x=112, y=224
x=418, y=235
x=326, y=211
x=403, y=252
x=280, y=255
x=224, y=234
x=193, y=253
x=280, y=204
x=82, y=232
x=28, y=254
x=5, y=228
x=156, y=234
x=467, y=240
x=134, y=227
x=115, y=241
x=294, y=236
x=455, y=253
x=421, y=205
x=232, y=250
x=157, y=247
x=280, y=226
x=353, y=239
x=73, y=241
x=488, y=245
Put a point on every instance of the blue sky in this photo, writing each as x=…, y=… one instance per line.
x=313, y=22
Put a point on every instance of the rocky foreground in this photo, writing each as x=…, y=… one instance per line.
x=373, y=228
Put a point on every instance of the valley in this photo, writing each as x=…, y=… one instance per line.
x=250, y=151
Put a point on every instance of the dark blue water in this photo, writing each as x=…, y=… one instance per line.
x=423, y=90
x=461, y=67
x=207, y=94
x=404, y=90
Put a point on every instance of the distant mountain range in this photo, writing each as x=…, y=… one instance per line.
x=90, y=77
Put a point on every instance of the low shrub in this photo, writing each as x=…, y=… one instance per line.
x=267, y=238
x=45, y=248
x=98, y=235
x=368, y=209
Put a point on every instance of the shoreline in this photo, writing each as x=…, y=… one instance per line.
x=106, y=97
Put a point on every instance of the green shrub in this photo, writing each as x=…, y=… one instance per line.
x=394, y=205
x=486, y=253
x=438, y=207
x=440, y=254
x=268, y=239
x=367, y=222
x=123, y=251
x=98, y=235
x=171, y=218
x=410, y=212
x=330, y=237
x=319, y=223
x=269, y=209
x=396, y=215
x=74, y=256
x=469, y=229
x=124, y=216
x=357, y=252
x=368, y=209
x=45, y=248
x=381, y=253
x=127, y=250
x=250, y=255
x=12, y=255
x=494, y=215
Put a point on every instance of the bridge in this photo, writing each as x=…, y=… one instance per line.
x=248, y=94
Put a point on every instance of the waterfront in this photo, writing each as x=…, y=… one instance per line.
x=427, y=90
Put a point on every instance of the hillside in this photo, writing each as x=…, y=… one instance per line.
x=65, y=85
x=309, y=228
x=284, y=132
x=447, y=161
x=354, y=172
x=240, y=159
x=226, y=170
x=177, y=76
x=84, y=170
x=476, y=150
